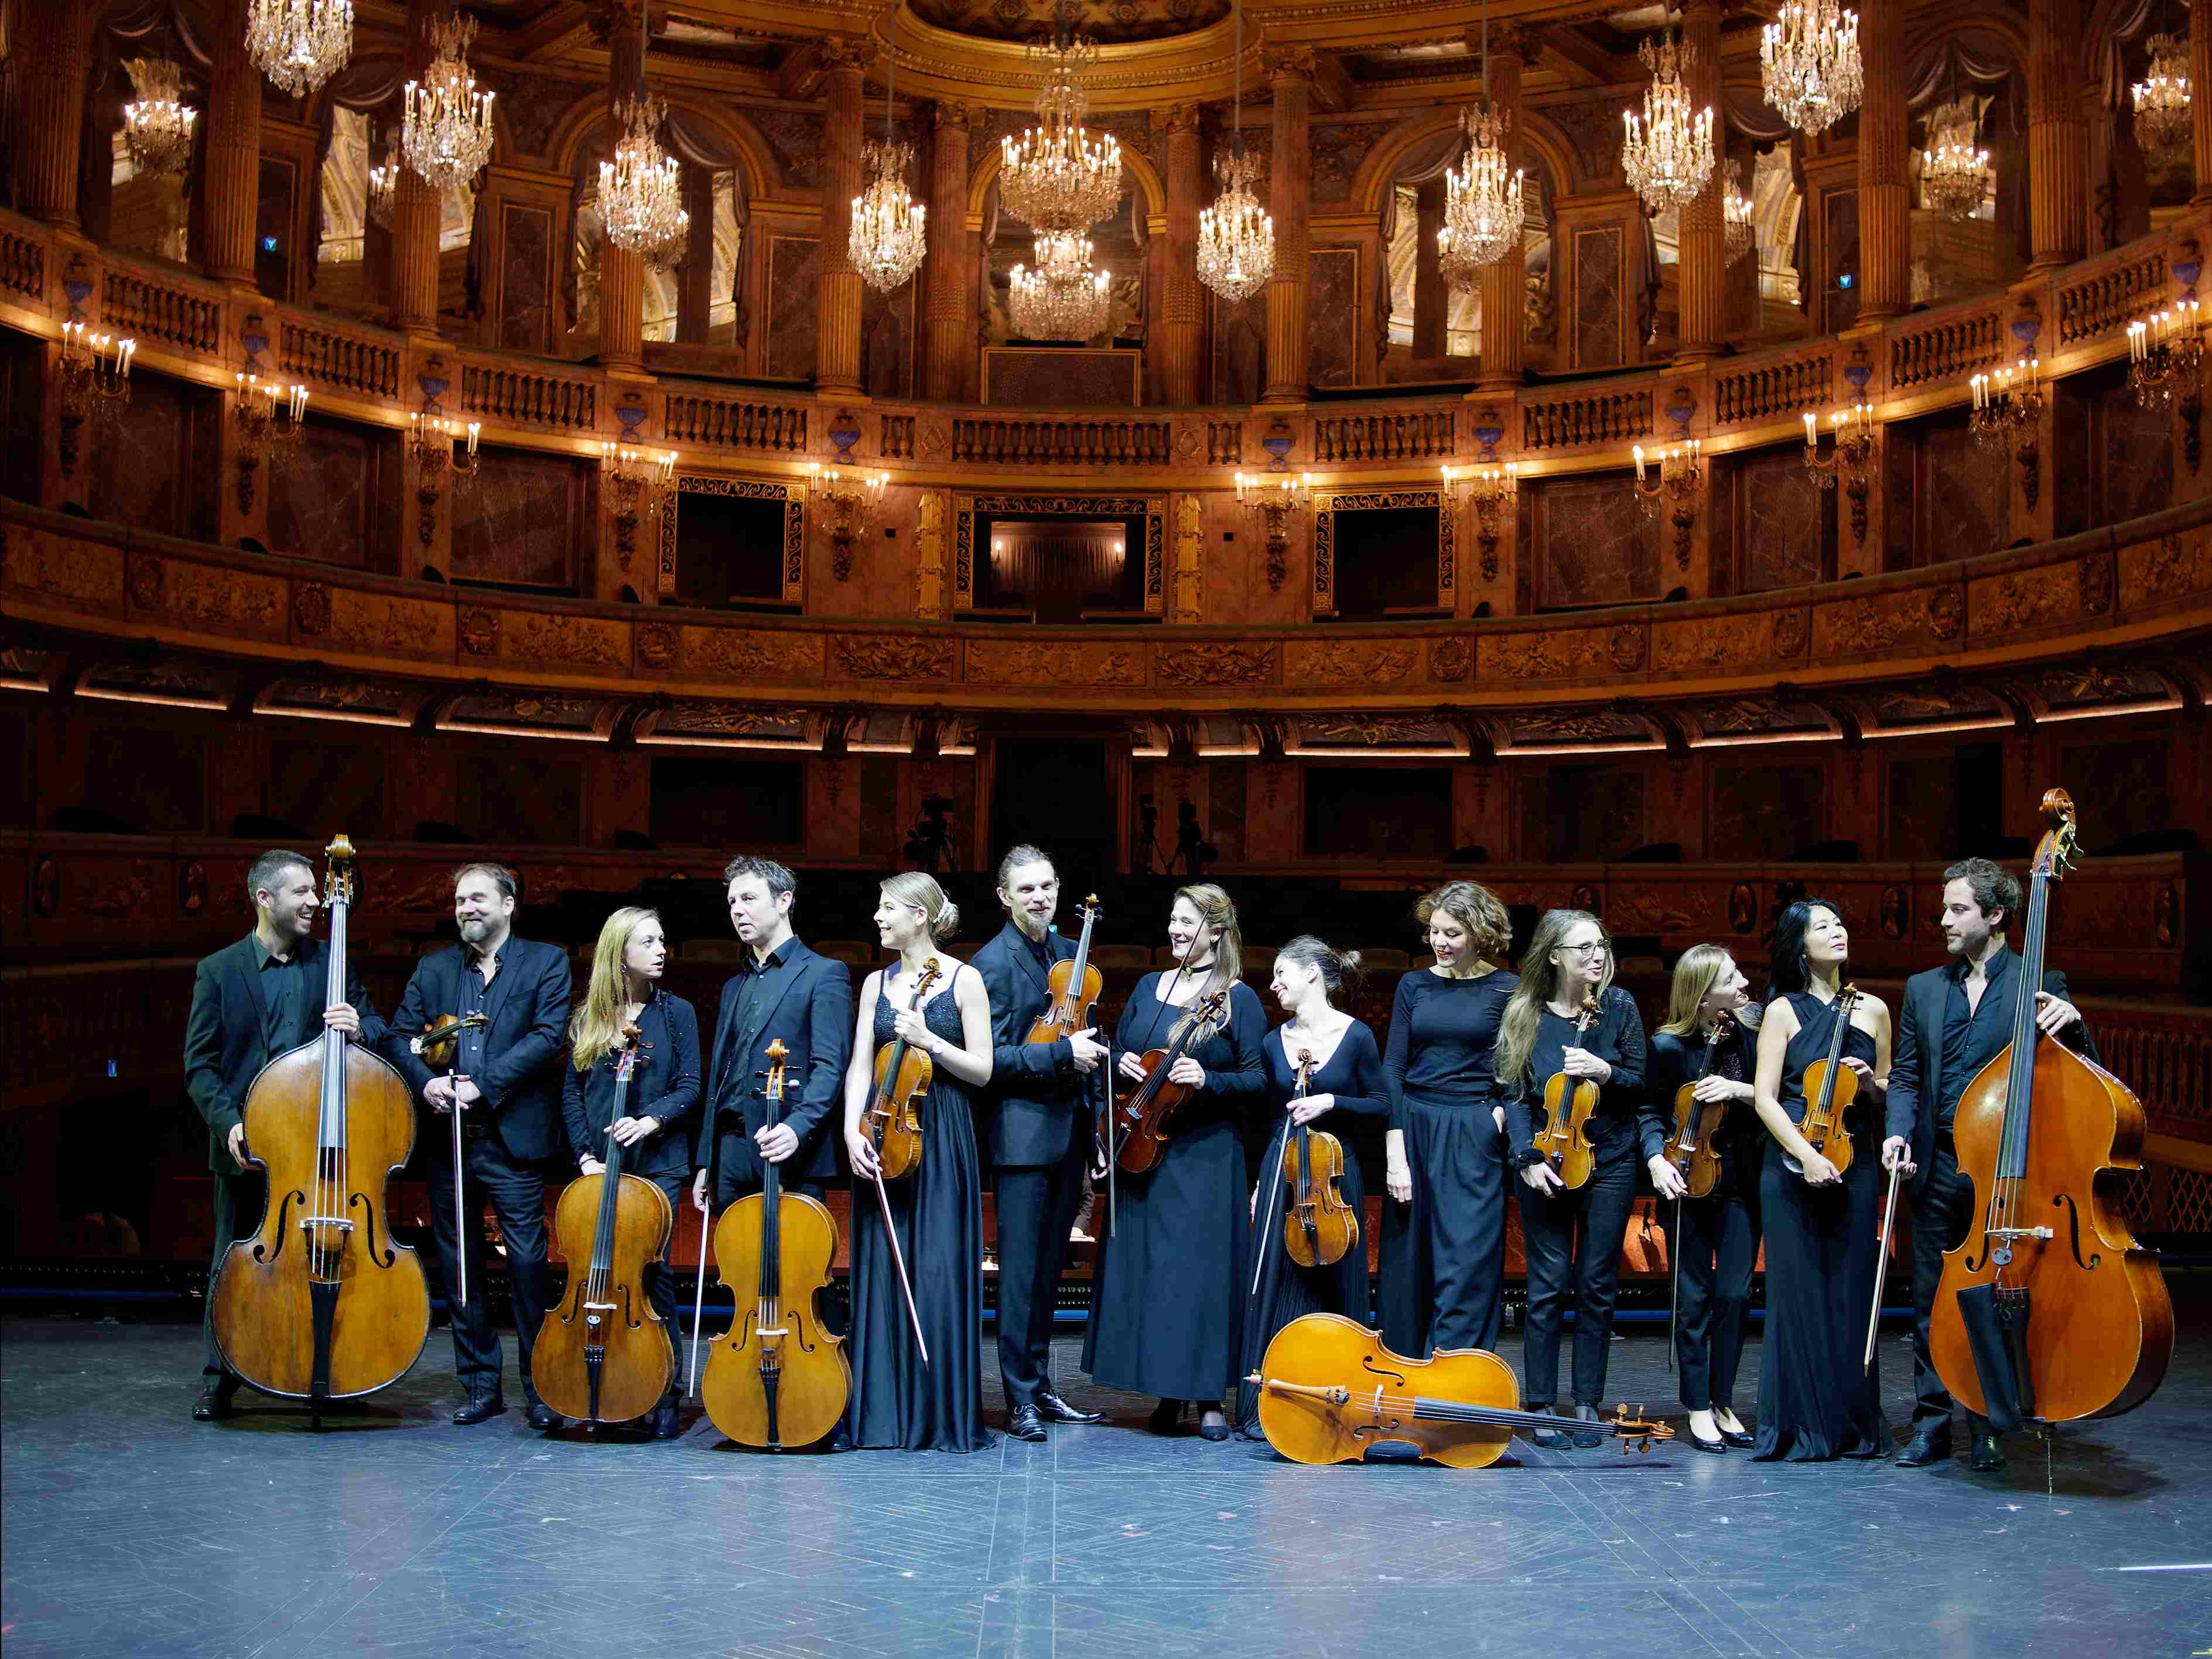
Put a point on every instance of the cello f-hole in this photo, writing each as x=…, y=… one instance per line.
x=1367, y=1363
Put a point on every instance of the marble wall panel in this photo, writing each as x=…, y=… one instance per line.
x=2135, y=470
x=324, y=786
x=1582, y=814
x=1333, y=313
x=522, y=523
x=325, y=505
x=1924, y=808
x=794, y=268
x=1765, y=811
x=1598, y=297
x=1594, y=546
x=1240, y=351
x=1044, y=379
x=887, y=351
x=1965, y=496
x=158, y=468
x=1782, y=516
x=525, y=295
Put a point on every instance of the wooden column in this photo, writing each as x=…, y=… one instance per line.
x=621, y=271
x=1506, y=284
x=2200, y=109
x=1289, y=196
x=1702, y=321
x=1431, y=296
x=944, y=361
x=1181, y=309
x=695, y=292
x=837, y=296
x=233, y=151
x=1885, y=194
x=415, y=207
x=52, y=50
x=2058, y=138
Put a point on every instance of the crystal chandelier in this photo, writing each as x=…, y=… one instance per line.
x=642, y=190
x=1057, y=176
x=1808, y=59
x=1736, y=215
x=1483, y=214
x=383, y=186
x=446, y=133
x=1236, y=236
x=1062, y=298
x=2165, y=353
x=1954, y=174
x=158, y=127
x=888, y=238
x=299, y=44
x=1668, y=156
x=2161, y=98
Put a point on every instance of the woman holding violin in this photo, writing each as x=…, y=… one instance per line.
x=1168, y=1303
x=1568, y=1029
x=936, y=1008
x=1817, y=1400
x=1325, y=1072
x=655, y=1126
x=1705, y=1048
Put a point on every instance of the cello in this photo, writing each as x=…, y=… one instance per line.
x=320, y=1303
x=1830, y=1086
x=603, y=1354
x=1568, y=1104
x=1318, y=1226
x=2048, y=1312
x=904, y=1073
x=777, y=1378
x=1075, y=986
x=1694, y=1148
x=1132, y=1130
x=1329, y=1389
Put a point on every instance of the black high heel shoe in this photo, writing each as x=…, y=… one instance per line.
x=1166, y=1417
x=1216, y=1429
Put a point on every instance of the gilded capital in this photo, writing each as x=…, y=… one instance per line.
x=845, y=52
x=947, y=117
x=1290, y=62
x=1181, y=118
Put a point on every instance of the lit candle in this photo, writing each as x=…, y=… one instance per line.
x=2135, y=342
x=1811, y=441
x=474, y=426
x=1637, y=451
x=128, y=350
x=1512, y=474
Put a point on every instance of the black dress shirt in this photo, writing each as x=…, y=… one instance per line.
x=1972, y=1036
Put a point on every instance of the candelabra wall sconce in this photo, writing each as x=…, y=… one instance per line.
x=269, y=419
x=1675, y=484
x=853, y=498
x=1492, y=490
x=1850, y=460
x=430, y=441
x=1273, y=499
x=638, y=482
x=2166, y=365
x=2007, y=406
x=96, y=386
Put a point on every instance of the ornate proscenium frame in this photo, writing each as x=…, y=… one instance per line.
x=1152, y=509
x=793, y=496
x=1328, y=504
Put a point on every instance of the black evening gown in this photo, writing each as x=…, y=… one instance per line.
x=1287, y=1290
x=937, y=1210
x=1817, y=1399
x=1167, y=1307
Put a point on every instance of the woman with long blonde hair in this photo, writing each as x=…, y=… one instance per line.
x=1167, y=1308
x=1572, y=1236
x=655, y=1127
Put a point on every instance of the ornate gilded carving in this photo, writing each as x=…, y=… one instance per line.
x=479, y=630
x=1377, y=731
x=1328, y=504
x=893, y=657
x=2027, y=599
x=1190, y=533
x=657, y=644
x=146, y=583
x=227, y=601
x=88, y=572
x=2171, y=566
x=381, y=623
x=1792, y=630
x=589, y=641
x=1214, y=665
x=311, y=609
x=1340, y=663
x=2093, y=583
x=1546, y=656
x=742, y=654
x=1946, y=612
x=1626, y=649
x=1855, y=627
x=929, y=555
x=1004, y=662
x=1450, y=659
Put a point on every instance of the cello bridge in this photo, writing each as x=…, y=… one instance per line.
x=308, y=1224
x=772, y=1330
x=599, y=1308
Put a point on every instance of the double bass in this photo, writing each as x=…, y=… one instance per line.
x=603, y=1354
x=2048, y=1312
x=1830, y=1086
x=892, y=1119
x=320, y=1303
x=1569, y=1103
x=778, y=1378
x=1075, y=986
x=1693, y=1146
x=1318, y=1226
x=1134, y=1130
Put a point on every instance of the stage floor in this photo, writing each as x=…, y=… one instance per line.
x=132, y=1530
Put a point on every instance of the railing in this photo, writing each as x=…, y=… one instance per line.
x=23, y=265
x=1048, y=441
x=1225, y=443
x=147, y=308
x=734, y=423
x=567, y=403
x=895, y=440
x=1387, y=435
x=350, y=362
x=1945, y=348
x=1586, y=417
x=1774, y=390
x=2106, y=299
x=2166, y=1057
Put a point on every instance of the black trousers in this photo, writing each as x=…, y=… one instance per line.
x=516, y=1188
x=1714, y=1257
x=1036, y=1205
x=1573, y=1239
x=1941, y=1217
x=240, y=1199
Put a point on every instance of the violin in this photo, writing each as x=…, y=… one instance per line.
x=2048, y=1311
x=778, y=1378
x=1329, y=1389
x=603, y=1354
x=1830, y=1086
x=1694, y=1148
x=320, y=1303
x=1569, y=1103
x=1133, y=1128
x=440, y=1045
x=1318, y=1226
x=1075, y=985
x=903, y=1072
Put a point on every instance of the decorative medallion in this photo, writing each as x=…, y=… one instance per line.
x=311, y=609
x=479, y=630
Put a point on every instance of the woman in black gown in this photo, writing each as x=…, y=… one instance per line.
x=1715, y=1237
x=1168, y=1303
x=1817, y=1399
x=1347, y=1081
x=897, y=1401
x=1443, y=1230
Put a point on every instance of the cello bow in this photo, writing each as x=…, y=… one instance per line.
x=445, y=1034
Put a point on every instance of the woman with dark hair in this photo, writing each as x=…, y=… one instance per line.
x=1817, y=1400
x=1443, y=1230
x=1346, y=1080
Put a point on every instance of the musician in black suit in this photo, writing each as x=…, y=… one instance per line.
x=1037, y=1126
x=1957, y=1018
x=252, y=1001
x=507, y=1082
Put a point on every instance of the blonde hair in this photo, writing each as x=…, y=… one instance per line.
x=595, y=1028
x=918, y=890
x=1694, y=976
x=1476, y=909
x=1539, y=977
x=1216, y=910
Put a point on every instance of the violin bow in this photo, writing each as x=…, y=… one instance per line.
x=1881, y=1264
x=1282, y=1151
x=898, y=1261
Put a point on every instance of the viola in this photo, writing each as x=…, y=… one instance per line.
x=778, y=1378
x=1134, y=1129
x=440, y=1045
x=2048, y=1311
x=1329, y=1389
x=1830, y=1086
x=904, y=1073
x=603, y=1354
x=1318, y=1226
x=1075, y=985
x=320, y=1303
x=1569, y=1103
x=1693, y=1147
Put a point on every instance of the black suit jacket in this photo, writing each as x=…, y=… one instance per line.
x=811, y=1009
x=524, y=1045
x=226, y=1040
x=1916, y=1066
x=1036, y=1093
x=663, y=1084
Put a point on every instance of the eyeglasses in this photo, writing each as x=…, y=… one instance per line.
x=1596, y=947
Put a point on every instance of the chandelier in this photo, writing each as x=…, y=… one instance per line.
x=2165, y=353
x=2161, y=98
x=1057, y=176
x=446, y=133
x=888, y=238
x=1736, y=215
x=299, y=44
x=1062, y=298
x=383, y=184
x=1808, y=59
x=1954, y=174
x=158, y=127
x=1483, y=215
x=1668, y=156
x=2004, y=403
x=1236, y=236
x=642, y=190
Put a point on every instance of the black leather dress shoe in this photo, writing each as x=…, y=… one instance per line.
x=479, y=1410
x=1026, y=1424
x=1213, y=1426
x=1927, y=1446
x=1702, y=1444
x=667, y=1419
x=543, y=1416
x=1987, y=1456
x=215, y=1404
x=1051, y=1407
x=1730, y=1436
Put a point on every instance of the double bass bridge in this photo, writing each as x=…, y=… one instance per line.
x=2000, y=1241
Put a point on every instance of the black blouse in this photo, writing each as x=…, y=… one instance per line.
x=1441, y=1032
x=663, y=1084
x=1617, y=1039
x=1675, y=1060
x=1353, y=1074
